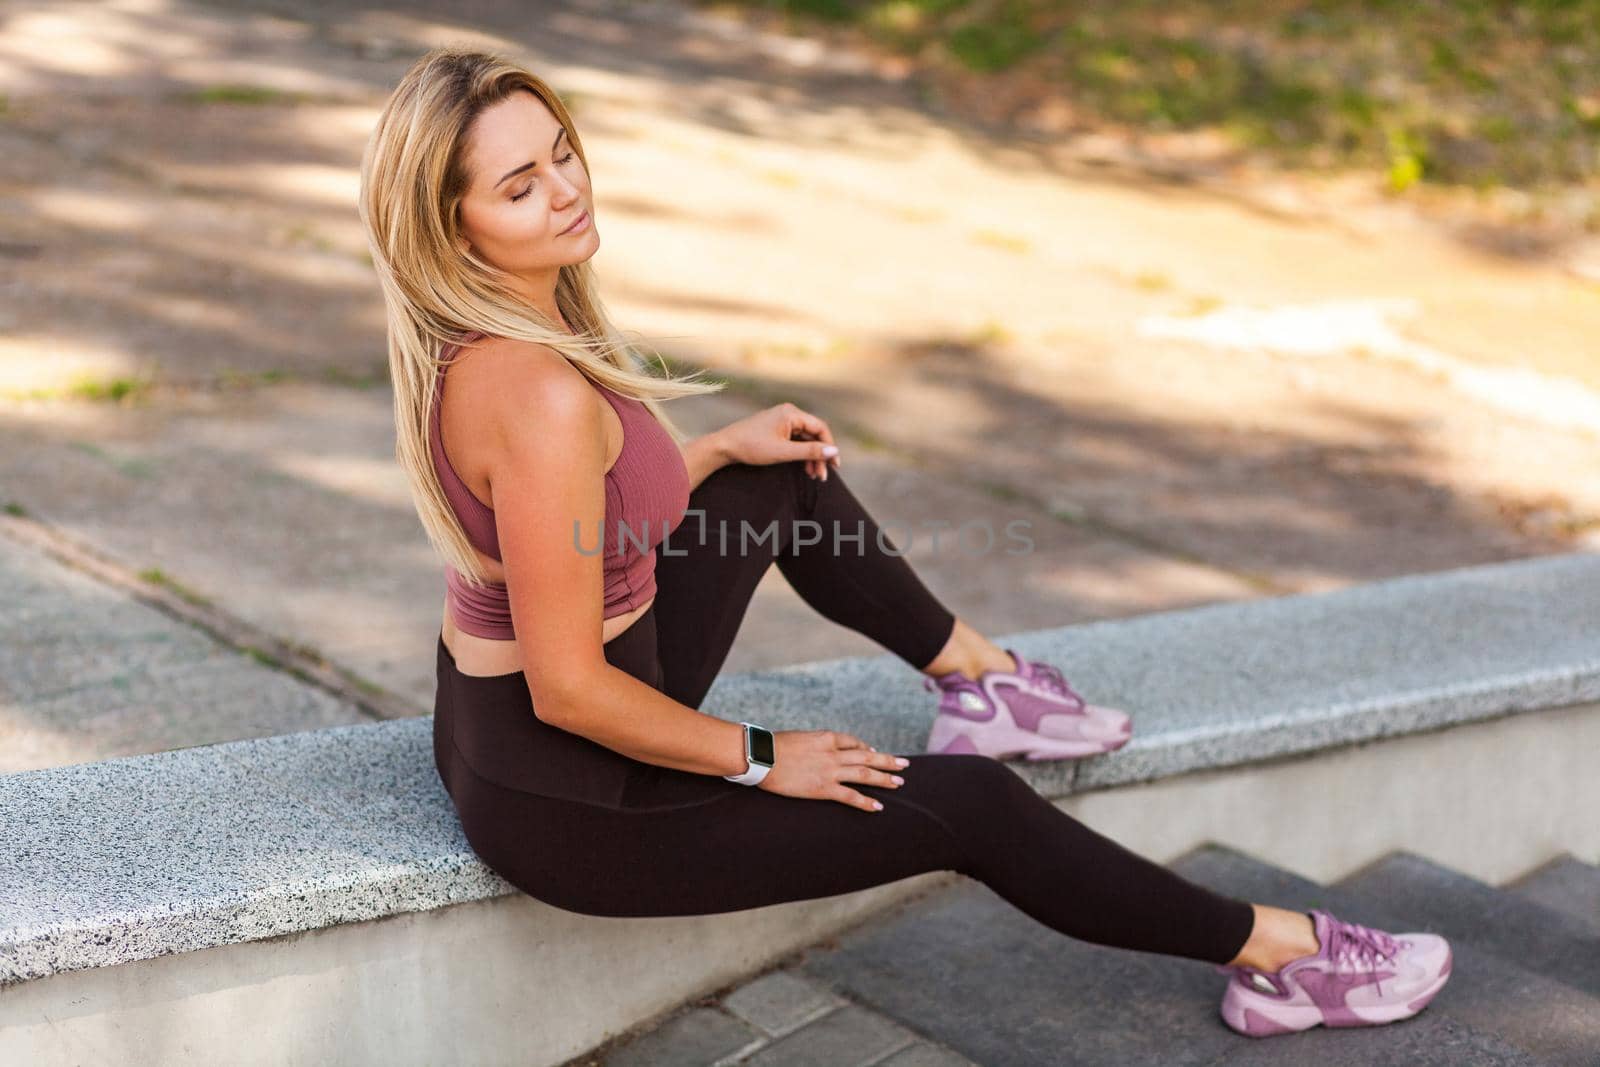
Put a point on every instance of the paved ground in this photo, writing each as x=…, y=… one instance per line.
x=90, y=671
x=995, y=330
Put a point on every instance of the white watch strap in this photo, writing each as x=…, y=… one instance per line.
x=751, y=776
x=753, y=772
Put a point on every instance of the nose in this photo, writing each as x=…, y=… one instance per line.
x=568, y=190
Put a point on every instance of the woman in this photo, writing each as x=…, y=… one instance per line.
x=597, y=569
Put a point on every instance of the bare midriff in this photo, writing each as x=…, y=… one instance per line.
x=486, y=657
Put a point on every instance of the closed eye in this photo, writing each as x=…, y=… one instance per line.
x=568, y=158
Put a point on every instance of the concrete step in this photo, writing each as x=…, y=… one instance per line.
x=974, y=974
x=1465, y=909
x=972, y=978
x=1492, y=995
x=1565, y=884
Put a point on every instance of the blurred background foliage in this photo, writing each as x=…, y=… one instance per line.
x=1476, y=93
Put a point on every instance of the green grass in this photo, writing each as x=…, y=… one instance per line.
x=107, y=388
x=156, y=576
x=266, y=659
x=257, y=95
x=1477, y=93
x=997, y=42
x=989, y=332
x=133, y=468
x=113, y=390
x=1006, y=241
x=305, y=234
x=355, y=377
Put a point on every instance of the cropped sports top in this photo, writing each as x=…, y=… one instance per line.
x=647, y=493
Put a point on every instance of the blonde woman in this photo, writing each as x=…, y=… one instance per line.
x=597, y=567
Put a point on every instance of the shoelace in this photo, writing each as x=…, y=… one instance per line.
x=1347, y=941
x=1051, y=678
x=1361, y=945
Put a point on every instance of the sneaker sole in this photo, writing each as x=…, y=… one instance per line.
x=1246, y=1020
x=1006, y=742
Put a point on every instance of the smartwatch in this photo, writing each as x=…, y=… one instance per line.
x=759, y=754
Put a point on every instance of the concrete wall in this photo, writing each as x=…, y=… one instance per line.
x=1491, y=799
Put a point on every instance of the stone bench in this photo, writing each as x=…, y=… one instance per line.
x=173, y=858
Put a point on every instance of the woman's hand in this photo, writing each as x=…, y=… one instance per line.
x=815, y=764
x=781, y=434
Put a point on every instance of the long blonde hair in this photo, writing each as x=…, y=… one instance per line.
x=413, y=177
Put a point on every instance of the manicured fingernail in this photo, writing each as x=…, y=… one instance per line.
x=901, y=762
x=897, y=780
x=830, y=450
x=877, y=805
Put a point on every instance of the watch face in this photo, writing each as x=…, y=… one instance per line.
x=761, y=749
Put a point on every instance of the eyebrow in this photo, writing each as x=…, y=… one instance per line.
x=531, y=164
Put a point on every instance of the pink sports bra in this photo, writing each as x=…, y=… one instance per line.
x=647, y=492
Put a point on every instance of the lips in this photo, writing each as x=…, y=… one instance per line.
x=576, y=222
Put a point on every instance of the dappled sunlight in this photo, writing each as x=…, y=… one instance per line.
x=385, y=34
x=781, y=213
x=336, y=129
x=66, y=39
x=1259, y=477
x=1367, y=326
x=61, y=42
x=90, y=209
x=314, y=184
x=371, y=479
x=70, y=359
x=1099, y=585
x=30, y=741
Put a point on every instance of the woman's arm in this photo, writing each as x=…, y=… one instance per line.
x=703, y=455
x=547, y=476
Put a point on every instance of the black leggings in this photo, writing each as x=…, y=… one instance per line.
x=587, y=829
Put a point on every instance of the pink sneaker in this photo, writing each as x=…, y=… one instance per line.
x=1358, y=976
x=1031, y=711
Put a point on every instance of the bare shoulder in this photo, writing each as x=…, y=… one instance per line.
x=525, y=396
x=495, y=363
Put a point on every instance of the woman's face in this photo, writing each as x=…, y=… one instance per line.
x=527, y=186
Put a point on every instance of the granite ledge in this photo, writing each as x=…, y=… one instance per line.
x=132, y=858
